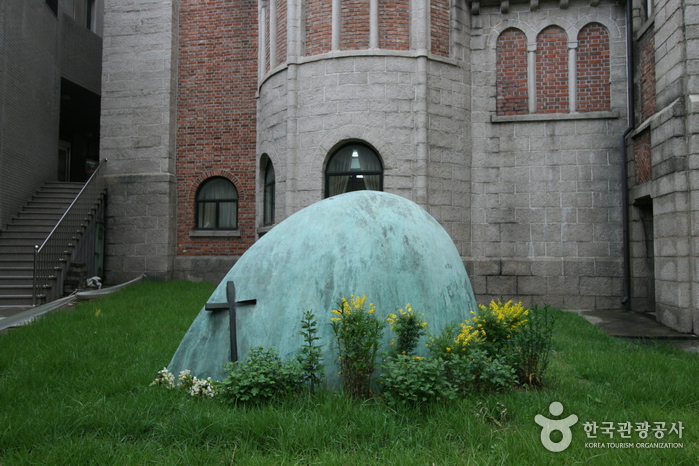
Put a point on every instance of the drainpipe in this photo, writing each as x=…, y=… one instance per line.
x=624, y=170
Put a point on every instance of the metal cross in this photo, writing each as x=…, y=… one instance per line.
x=232, y=305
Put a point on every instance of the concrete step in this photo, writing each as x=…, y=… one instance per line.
x=21, y=242
x=15, y=271
x=29, y=233
x=23, y=262
x=16, y=300
x=16, y=280
x=16, y=290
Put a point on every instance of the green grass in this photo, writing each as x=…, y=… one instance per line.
x=74, y=389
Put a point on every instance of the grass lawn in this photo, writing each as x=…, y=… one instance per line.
x=74, y=389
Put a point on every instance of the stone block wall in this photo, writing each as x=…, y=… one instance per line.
x=664, y=111
x=546, y=199
x=138, y=117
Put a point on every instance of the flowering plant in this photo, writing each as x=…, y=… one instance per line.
x=408, y=326
x=165, y=378
x=492, y=327
x=357, y=333
x=187, y=382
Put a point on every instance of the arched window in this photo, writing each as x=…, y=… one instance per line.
x=353, y=167
x=217, y=205
x=593, y=69
x=552, y=71
x=511, y=72
x=269, y=195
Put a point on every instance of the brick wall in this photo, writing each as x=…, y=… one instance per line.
x=439, y=23
x=354, y=33
x=593, y=72
x=394, y=25
x=511, y=71
x=281, y=32
x=641, y=152
x=646, y=71
x=552, y=71
x=216, y=114
x=318, y=26
x=267, y=41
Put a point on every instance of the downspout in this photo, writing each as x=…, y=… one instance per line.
x=624, y=169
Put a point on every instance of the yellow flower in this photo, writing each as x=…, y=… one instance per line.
x=448, y=349
x=335, y=319
x=335, y=311
x=419, y=358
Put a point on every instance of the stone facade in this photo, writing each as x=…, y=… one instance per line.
x=507, y=121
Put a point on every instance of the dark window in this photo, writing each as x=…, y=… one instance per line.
x=53, y=4
x=269, y=195
x=217, y=205
x=353, y=167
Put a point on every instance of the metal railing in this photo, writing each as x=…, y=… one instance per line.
x=52, y=258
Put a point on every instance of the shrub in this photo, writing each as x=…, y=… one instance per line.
x=409, y=327
x=493, y=327
x=262, y=376
x=357, y=333
x=310, y=359
x=533, y=345
x=409, y=379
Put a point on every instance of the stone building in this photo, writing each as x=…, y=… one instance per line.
x=554, y=141
x=50, y=72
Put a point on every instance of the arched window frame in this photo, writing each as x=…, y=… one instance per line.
x=269, y=196
x=217, y=203
x=353, y=174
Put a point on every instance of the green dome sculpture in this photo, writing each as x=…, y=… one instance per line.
x=362, y=243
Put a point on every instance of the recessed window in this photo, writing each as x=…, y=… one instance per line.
x=53, y=4
x=353, y=167
x=269, y=195
x=217, y=205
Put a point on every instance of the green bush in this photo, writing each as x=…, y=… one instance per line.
x=532, y=346
x=357, y=333
x=409, y=379
x=409, y=327
x=262, y=376
x=310, y=359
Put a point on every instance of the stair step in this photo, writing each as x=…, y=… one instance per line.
x=30, y=233
x=7, y=271
x=16, y=300
x=21, y=242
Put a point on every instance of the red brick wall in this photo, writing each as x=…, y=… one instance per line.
x=354, y=33
x=552, y=71
x=281, y=32
x=593, y=73
x=318, y=26
x=439, y=19
x=511, y=72
x=268, y=44
x=216, y=111
x=646, y=70
x=394, y=24
x=641, y=151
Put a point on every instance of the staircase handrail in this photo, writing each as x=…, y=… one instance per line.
x=53, y=255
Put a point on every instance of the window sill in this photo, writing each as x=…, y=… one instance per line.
x=214, y=234
x=554, y=116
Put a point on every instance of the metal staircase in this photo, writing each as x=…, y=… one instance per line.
x=30, y=227
x=55, y=228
